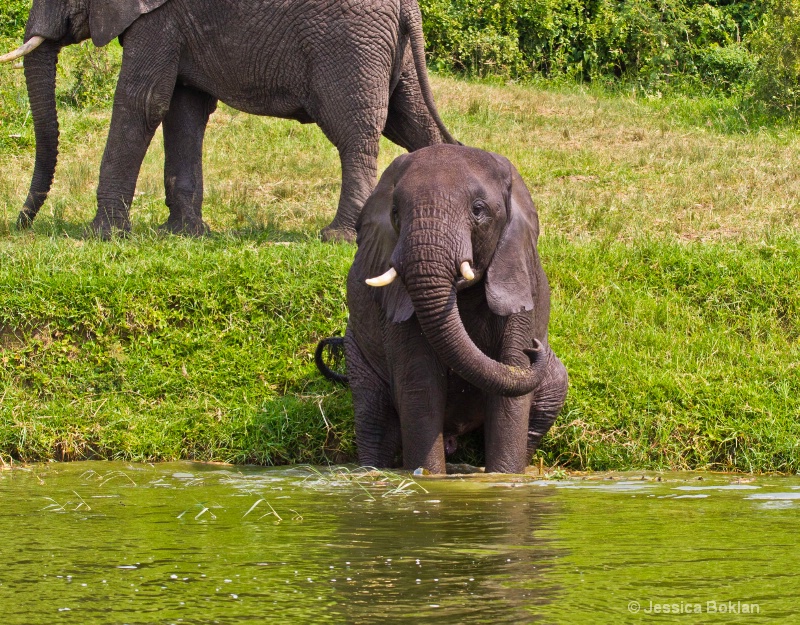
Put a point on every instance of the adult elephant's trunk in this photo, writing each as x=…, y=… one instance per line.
x=431, y=286
x=40, y=77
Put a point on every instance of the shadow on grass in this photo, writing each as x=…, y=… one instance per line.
x=55, y=227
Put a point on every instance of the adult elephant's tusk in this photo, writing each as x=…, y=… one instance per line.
x=466, y=271
x=383, y=280
x=28, y=46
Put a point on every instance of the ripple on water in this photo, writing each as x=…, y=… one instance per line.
x=719, y=487
x=775, y=496
x=203, y=543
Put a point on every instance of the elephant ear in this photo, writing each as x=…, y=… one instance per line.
x=377, y=240
x=512, y=276
x=109, y=18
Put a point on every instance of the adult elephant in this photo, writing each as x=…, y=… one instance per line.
x=354, y=67
x=452, y=335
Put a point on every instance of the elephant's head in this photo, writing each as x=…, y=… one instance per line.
x=443, y=219
x=52, y=24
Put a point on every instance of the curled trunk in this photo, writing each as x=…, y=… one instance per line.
x=40, y=77
x=431, y=286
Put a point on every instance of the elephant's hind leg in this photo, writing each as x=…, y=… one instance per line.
x=352, y=121
x=376, y=422
x=409, y=123
x=184, y=128
x=359, y=158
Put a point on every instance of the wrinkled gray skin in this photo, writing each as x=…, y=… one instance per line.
x=354, y=67
x=432, y=355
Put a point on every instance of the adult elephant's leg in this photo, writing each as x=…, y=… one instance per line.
x=142, y=98
x=420, y=394
x=184, y=128
x=376, y=423
x=355, y=130
x=359, y=159
x=409, y=123
x=547, y=403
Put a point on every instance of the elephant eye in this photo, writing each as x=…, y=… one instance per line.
x=395, y=217
x=479, y=209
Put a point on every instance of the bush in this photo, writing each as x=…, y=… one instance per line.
x=472, y=36
x=776, y=83
x=13, y=15
x=88, y=75
x=649, y=41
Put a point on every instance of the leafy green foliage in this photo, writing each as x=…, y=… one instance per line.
x=649, y=41
x=88, y=74
x=777, y=41
x=13, y=15
x=476, y=36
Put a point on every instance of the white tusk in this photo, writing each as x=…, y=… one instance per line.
x=31, y=44
x=466, y=271
x=383, y=280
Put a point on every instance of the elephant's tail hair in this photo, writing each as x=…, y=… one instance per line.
x=411, y=17
x=333, y=349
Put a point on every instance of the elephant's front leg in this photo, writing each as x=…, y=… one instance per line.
x=142, y=98
x=506, y=425
x=376, y=423
x=184, y=128
x=419, y=386
x=506, y=433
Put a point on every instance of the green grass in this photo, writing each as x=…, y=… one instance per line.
x=158, y=348
x=670, y=236
x=680, y=355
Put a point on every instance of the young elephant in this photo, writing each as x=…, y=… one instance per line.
x=453, y=334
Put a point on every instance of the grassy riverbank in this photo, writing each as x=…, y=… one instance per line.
x=669, y=236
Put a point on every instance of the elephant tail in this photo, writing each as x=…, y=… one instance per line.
x=411, y=17
x=332, y=350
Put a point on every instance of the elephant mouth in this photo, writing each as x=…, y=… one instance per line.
x=466, y=278
x=462, y=283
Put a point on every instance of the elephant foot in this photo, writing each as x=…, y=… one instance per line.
x=335, y=234
x=188, y=227
x=24, y=220
x=105, y=228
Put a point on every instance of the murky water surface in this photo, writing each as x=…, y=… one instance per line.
x=118, y=543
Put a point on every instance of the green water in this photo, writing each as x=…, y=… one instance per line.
x=190, y=543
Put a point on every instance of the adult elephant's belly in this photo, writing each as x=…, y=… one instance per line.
x=274, y=104
x=272, y=89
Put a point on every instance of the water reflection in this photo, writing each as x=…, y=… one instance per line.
x=117, y=543
x=465, y=552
